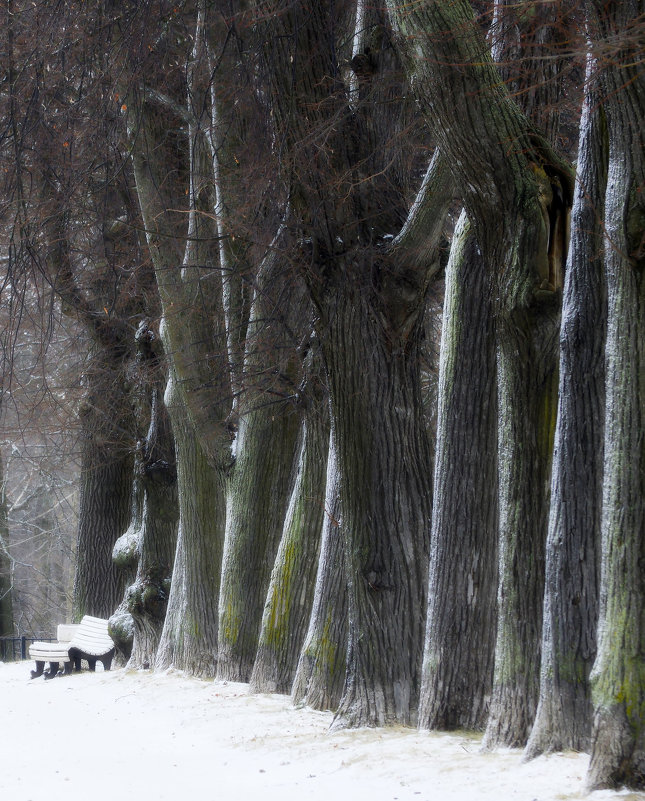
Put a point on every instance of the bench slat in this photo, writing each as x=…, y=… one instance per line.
x=92, y=637
x=49, y=651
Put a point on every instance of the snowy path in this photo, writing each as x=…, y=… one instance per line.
x=165, y=737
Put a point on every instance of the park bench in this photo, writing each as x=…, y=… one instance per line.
x=89, y=640
x=53, y=652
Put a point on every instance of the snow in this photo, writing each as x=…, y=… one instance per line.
x=163, y=736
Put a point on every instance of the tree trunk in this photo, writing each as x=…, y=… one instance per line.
x=618, y=676
x=105, y=500
x=527, y=384
x=147, y=547
x=126, y=559
x=320, y=676
x=261, y=481
x=148, y=597
x=291, y=589
x=189, y=636
x=257, y=502
x=460, y=627
x=563, y=719
x=383, y=455
x=6, y=571
x=516, y=192
x=370, y=304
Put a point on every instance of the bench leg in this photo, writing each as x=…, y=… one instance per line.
x=107, y=661
x=53, y=670
x=77, y=664
x=40, y=666
x=68, y=667
x=92, y=663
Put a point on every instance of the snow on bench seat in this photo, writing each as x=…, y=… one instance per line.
x=88, y=640
x=92, y=643
x=53, y=652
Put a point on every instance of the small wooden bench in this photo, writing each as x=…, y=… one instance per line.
x=89, y=640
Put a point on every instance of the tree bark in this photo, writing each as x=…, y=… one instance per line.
x=462, y=605
x=384, y=466
x=320, y=675
x=291, y=588
x=563, y=719
x=261, y=481
x=516, y=192
x=189, y=637
x=6, y=577
x=527, y=382
x=618, y=676
x=194, y=338
x=147, y=547
x=147, y=598
x=105, y=495
x=369, y=305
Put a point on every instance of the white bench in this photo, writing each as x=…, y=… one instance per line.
x=88, y=640
x=53, y=652
x=92, y=643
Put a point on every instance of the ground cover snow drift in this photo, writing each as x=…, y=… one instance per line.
x=162, y=737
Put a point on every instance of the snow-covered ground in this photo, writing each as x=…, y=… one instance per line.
x=167, y=737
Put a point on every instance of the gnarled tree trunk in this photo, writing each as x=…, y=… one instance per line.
x=149, y=543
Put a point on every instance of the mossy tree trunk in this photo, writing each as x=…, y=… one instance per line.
x=516, y=192
x=290, y=595
x=320, y=675
x=563, y=719
x=527, y=382
x=369, y=300
x=618, y=676
x=461, y=620
x=265, y=450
